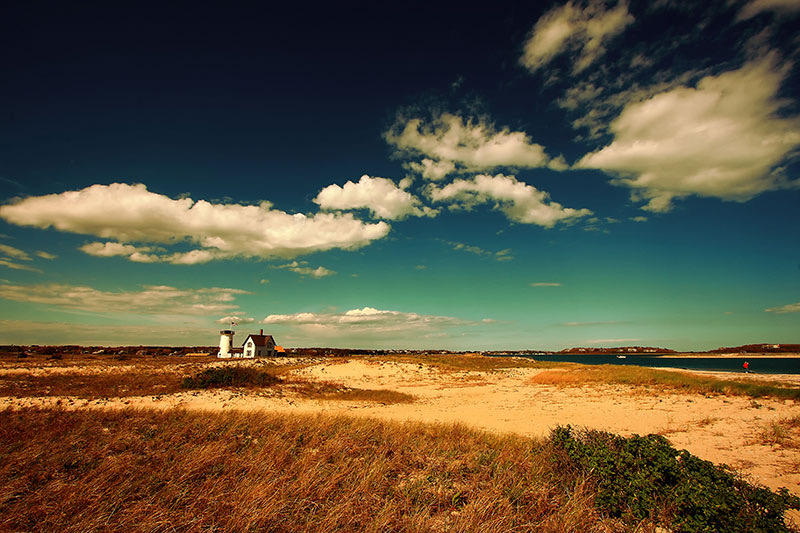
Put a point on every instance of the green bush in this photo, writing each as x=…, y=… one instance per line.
x=646, y=478
x=229, y=376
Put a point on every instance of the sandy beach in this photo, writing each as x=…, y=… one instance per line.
x=723, y=429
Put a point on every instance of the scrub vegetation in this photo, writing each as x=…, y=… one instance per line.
x=176, y=470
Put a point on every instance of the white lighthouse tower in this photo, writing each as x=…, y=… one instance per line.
x=225, y=343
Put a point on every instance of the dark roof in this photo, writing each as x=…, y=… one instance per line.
x=259, y=340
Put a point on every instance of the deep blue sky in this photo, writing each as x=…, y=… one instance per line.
x=608, y=174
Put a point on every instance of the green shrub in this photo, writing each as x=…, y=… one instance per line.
x=230, y=376
x=642, y=478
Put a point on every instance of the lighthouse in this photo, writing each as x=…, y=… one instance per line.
x=225, y=343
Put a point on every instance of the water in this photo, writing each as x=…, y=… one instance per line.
x=766, y=365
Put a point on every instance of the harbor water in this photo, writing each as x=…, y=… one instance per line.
x=758, y=365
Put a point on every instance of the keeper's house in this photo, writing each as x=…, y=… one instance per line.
x=258, y=346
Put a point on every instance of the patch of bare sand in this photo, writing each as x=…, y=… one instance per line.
x=722, y=429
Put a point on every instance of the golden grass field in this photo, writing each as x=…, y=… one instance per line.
x=401, y=443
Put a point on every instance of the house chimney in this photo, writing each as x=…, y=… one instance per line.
x=262, y=332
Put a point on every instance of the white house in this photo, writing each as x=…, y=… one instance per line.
x=258, y=346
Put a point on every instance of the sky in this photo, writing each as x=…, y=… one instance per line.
x=536, y=176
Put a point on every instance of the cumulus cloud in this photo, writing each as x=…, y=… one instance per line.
x=132, y=214
x=788, y=308
x=235, y=319
x=150, y=300
x=519, y=201
x=430, y=169
x=46, y=255
x=304, y=270
x=449, y=141
x=545, y=284
x=112, y=249
x=368, y=320
x=723, y=138
x=143, y=254
x=583, y=31
x=381, y=196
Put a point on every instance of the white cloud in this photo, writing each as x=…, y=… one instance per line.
x=132, y=214
x=430, y=169
x=380, y=195
x=449, y=141
x=722, y=139
x=16, y=266
x=368, y=321
x=572, y=28
x=235, y=319
x=303, y=270
x=16, y=253
x=779, y=7
x=150, y=300
x=788, y=308
x=520, y=202
x=545, y=284
x=192, y=257
x=112, y=249
x=46, y=255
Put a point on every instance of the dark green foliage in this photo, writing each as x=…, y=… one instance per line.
x=230, y=376
x=645, y=478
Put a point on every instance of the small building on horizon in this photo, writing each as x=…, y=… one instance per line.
x=254, y=346
x=259, y=346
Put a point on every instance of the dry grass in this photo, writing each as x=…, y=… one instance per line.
x=657, y=381
x=784, y=433
x=98, y=470
x=139, y=382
